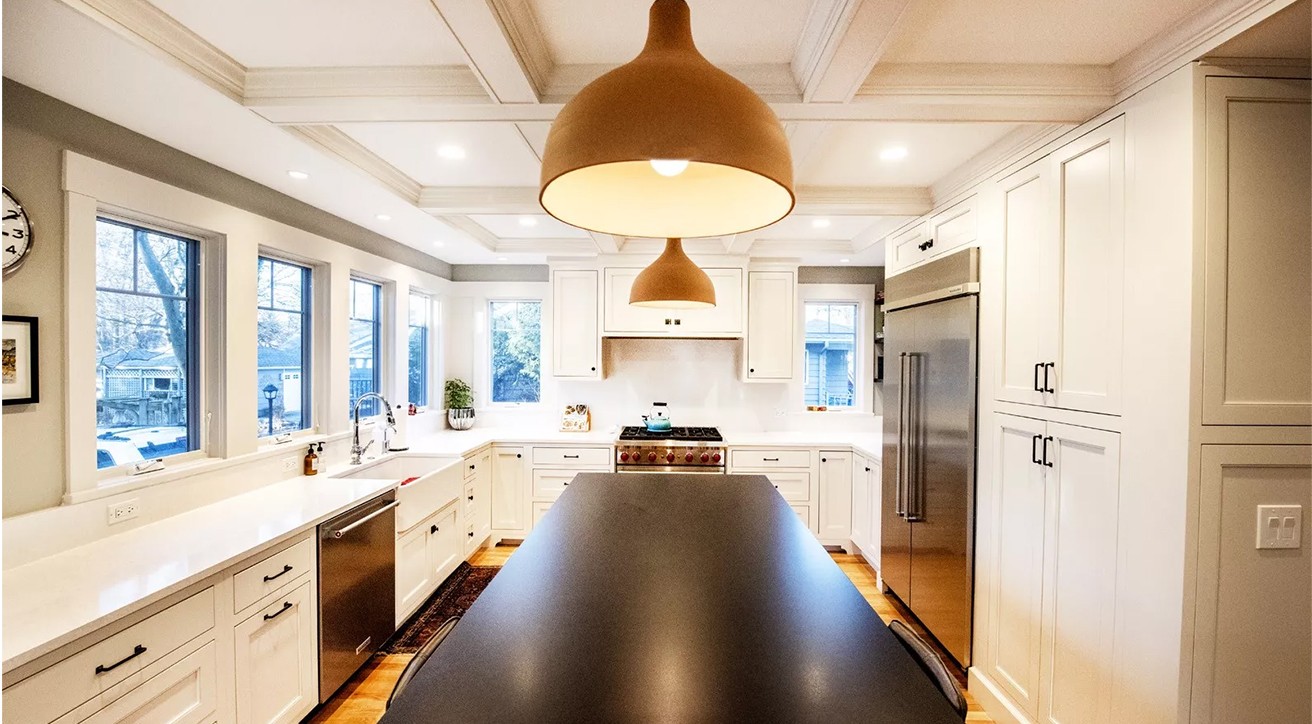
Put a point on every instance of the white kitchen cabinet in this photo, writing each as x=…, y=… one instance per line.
x=725, y=319
x=1057, y=492
x=540, y=508
x=906, y=247
x=414, y=578
x=875, y=512
x=1063, y=247
x=509, y=491
x=445, y=549
x=184, y=693
x=771, y=318
x=276, y=654
x=1257, y=336
x=479, y=509
x=860, y=503
x=835, y=496
x=576, y=339
x=946, y=230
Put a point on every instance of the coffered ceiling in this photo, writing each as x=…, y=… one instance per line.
x=425, y=120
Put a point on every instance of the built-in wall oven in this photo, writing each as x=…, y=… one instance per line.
x=677, y=450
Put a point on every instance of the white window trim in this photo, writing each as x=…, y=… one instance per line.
x=318, y=331
x=386, y=344
x=487, y=356
x=863, y=296
x=431, y=371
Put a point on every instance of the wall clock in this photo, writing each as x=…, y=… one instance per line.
x=17, y=233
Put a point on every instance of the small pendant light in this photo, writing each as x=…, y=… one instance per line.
x=667, y=146
x=674, y=281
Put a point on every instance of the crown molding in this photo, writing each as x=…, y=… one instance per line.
x=521, y=28
x=338, y=144
x=1005, y=152
x=157, y=32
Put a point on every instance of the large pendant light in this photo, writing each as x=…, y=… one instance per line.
x=667, y=146
x=674, y=281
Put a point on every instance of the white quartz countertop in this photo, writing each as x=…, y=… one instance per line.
x=55, y=600
x=868, y=443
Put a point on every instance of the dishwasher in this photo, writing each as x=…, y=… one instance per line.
x=357, y=589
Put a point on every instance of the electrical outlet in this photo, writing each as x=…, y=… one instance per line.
x=126, y=510
x=289, y=463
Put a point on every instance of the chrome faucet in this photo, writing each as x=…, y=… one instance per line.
x=356, y=450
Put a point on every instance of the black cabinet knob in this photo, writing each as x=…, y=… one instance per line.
x=433, y=529
x=471, y=498
x=594, y=369
x=751, y=369
x=471, y=534
x=824, y=460
x=518, y=455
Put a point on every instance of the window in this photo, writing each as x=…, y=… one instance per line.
x=830, y=367
x=516, y=332
x=421, y=312
x=365, y=344
x=282, y=347
x=147, y=365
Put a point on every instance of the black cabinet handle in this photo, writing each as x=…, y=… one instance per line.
x=285, y=570
x=571, y=457
x=669, y=321
x=1034, y=450
x=1046, y=366
x=769, y=460
x=433, y=529
x=566, y=483
x=136, y=651
x=285, y=605
x=1037, y=367
x=1046, y=462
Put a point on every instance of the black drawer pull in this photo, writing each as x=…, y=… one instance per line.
x=1046, y=462
x=285, y=570
x=769, y=460
x=1037, y=386
x=571, y=457
x=285, y=605
x=1034, y=450
x=1046, y=366
x=136, y=651
x=567, y=483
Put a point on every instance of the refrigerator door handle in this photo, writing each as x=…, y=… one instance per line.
x=899, y=500
x=915, y=503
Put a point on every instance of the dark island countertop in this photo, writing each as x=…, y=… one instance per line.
x=671, y=598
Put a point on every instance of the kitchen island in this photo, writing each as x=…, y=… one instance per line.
x=671, y=598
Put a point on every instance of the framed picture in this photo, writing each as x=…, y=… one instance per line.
x=18, y=347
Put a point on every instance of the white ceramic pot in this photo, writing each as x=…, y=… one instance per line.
x=461, y=418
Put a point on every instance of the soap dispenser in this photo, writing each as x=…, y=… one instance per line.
x=311, y=462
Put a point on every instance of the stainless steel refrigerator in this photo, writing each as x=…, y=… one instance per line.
x=928, y=520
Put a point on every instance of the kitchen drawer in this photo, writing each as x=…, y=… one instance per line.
x=803, y=512
x=468, y=500
x=470, y=466
x=267, y=576
x=792, y=486
x=540, y=509
x=470, y=539
x=60, y=688
x=551, y=483
x=765, y=459
x=184, y=693
x=578, y=457
x=949, y=229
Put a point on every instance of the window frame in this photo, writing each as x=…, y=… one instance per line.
x=380, y=355
x=309, y=342
x=491, y=354
x=197, y=290
x=863, y=296
x=429, y=347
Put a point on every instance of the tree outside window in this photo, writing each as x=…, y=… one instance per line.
x=421, y=311
x=516, y=337
x=830, y=366
x=282, y=347
x=365, y=344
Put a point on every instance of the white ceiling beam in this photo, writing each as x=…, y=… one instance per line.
x=803, y=140
x=336, y=143
x=774, y=82
x=739, y=243
x=479, y=200
x=496, y=37
x=549, y=247
x=841, y=41
x=472, y=229
x=606, y=243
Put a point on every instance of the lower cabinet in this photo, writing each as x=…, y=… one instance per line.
x=510, y=511
x=540, y=508
x=414, y=578
x=184, y=693
x=865, y=489
x=836, y=497
x=445, y=549
x=1054, y=569
x=277, y=651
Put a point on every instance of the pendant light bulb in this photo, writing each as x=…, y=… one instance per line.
x=669, y=167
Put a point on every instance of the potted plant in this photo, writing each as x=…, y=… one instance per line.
x=459, y=404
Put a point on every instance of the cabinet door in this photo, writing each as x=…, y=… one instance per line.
x=1257, y=338
x=874, y=511
x=277, y=651
x=725, y=318
x=835, y=495
x=1079, y=586
x=509, y=490
x=623, y=318
x=1018, y=527
x=480, y=510
x=540, y=508
x=414, y=579
x=771, y=314
x=444, y=546
x=184, y=693
x=1089, y=198
x=860, y=503
x=905, y=248
x=576, y=341
x=1025, y=237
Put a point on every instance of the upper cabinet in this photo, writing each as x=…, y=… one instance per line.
x=576, y=344
x=1063, y=273
x=771, y=322
x=945, y=231
x=1257, y=336
x=725, y=319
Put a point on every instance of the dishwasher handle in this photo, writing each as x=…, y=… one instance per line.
x=340, y=532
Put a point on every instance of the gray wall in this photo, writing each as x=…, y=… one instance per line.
x=500, y=273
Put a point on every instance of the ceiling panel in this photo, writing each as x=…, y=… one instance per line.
x=848, y=153
x=311, y=33
x=513, y=226
x=1036, y=31
x=495, y=153
x=806, y=228
x=726, y=31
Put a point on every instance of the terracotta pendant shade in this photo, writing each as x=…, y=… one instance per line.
x=673, y=281
x=667, y=104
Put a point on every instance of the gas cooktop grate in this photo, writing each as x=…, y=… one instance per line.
x=685, y=434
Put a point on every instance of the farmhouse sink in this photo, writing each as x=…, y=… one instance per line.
x=428, y=483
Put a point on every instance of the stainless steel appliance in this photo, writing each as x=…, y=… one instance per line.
x=676, y=450
x=357, y=589
x=928, y=521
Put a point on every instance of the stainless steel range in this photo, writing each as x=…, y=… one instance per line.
x=677, y=450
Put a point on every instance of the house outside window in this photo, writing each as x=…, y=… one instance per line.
x=147, y=364
x=516, y=351
x=365, y=344
x=419, y=344
x=283, y=342
x=830, y=355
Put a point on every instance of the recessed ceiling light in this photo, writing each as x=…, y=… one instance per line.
x=451, y=152
x=298, y=175
x=819, y=223
x=893, y=153
x=501, y=258
x=527, y=221
x=844, y=261
x=439, y=243
x=383, y=217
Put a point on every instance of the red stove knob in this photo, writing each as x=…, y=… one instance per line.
x=706, y=457
x=651, y=457
x=716, y=457
x=669, y=457
x=624, y=456
x=688, y=457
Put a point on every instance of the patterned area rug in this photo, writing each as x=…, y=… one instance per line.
x=452, y=598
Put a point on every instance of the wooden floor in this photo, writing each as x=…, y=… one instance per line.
x=364, y=698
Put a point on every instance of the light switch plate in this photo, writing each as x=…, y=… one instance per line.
x=1279, y=526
